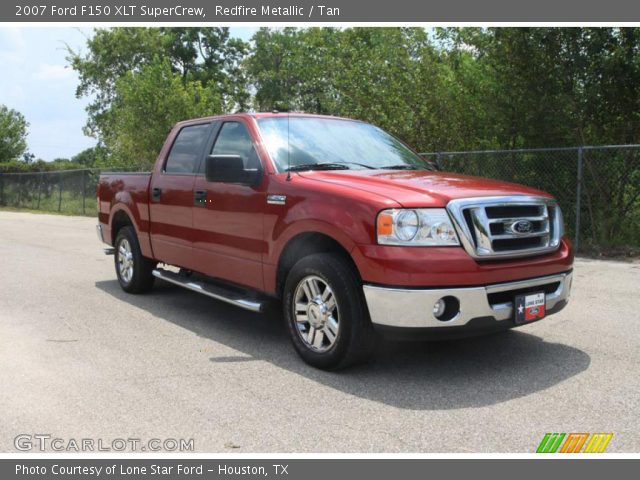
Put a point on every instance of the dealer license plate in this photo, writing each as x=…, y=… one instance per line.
x=529, y=307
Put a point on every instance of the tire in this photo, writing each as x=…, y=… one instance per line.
x=337, y=332
x=133, y=270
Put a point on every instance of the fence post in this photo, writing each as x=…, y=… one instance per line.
x=19, y=178
x=84, y=192
x=59, y=191
x=439, y=160
x=1, y=189
x=578, y=198
x=39, y=189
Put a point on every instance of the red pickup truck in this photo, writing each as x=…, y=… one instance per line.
x=353, y=231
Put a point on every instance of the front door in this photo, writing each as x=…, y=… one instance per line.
x=228, y=240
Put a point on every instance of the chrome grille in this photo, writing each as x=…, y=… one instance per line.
x=514, y=226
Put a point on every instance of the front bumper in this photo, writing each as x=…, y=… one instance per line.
x=417, y=267
x=480, y=306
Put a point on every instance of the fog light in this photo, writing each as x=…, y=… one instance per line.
x=439, y=307
x=447, y=308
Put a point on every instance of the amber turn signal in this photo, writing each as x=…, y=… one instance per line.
x=385, y=224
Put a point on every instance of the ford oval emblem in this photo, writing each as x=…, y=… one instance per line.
x=522, y=227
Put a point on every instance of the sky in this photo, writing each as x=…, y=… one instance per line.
x=37, y=82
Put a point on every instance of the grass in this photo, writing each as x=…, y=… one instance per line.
x=67, y=204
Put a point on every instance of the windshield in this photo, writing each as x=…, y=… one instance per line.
x=325, y=142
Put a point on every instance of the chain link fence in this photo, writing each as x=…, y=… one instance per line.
x=71, y=192
x=598, y=188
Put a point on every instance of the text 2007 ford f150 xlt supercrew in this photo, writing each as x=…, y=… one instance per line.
x=346, y=225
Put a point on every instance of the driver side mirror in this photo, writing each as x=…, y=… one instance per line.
x=230, y=169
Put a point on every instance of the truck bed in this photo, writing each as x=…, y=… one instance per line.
x=131, y=190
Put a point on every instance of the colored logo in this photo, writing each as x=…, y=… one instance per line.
x=521, y=227
x=574, y=443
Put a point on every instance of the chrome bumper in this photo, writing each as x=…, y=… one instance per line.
x=99, y=232
x=413, y=308
x=107, y=250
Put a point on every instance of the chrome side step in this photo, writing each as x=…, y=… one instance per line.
x=213, y=291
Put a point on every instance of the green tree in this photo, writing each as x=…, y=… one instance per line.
x=546, y=87
x=13, y=134
x=393, y=77
x=294, y=69
x=204, y=54
x=147, y=104
x=89, y=157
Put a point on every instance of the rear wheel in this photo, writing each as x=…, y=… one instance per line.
x=326, y=312
x=134, y=270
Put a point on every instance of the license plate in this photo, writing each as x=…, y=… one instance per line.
x=529, y=307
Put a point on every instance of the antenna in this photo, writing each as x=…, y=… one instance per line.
x=288, y=150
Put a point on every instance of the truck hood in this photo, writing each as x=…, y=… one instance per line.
x=420, y=188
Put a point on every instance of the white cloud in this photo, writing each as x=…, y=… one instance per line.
x=12, y=38
x=49, y=71
x=35, y=82
x=13, y=46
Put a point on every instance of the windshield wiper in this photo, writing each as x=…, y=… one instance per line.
x=403, y=166
x=317, y=166
x=360, y=165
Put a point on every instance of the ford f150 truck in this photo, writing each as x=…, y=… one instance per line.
x=348, y=227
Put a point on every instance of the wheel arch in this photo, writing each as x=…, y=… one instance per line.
x=120, y=218
x=304, y=244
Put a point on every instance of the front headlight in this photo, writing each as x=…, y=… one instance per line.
x=416, y=227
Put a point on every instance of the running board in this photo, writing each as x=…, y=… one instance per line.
x=213, y=291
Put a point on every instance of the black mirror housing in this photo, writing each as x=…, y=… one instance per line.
x=230, y=169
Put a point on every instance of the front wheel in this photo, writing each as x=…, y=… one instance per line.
x=326, y=313
x=134, y=271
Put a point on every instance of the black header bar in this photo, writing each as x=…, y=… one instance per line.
x=319, y=11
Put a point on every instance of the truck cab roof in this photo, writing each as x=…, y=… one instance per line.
x=258, y=115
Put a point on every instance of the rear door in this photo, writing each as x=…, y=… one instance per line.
x=171, y=196
x=229, y=239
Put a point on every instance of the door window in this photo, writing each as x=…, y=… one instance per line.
x=234, y=139
x=186, y=150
